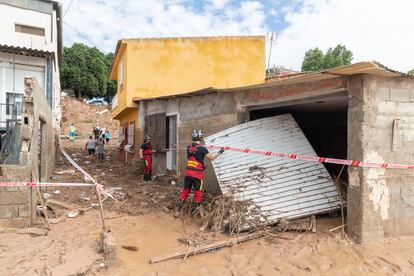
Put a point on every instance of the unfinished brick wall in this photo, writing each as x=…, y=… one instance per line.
x=37, y=158
x=381, y=129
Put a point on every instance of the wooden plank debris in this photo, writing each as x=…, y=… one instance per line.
x=207, y=248
x=313, y=224
x=130, y=247
x=396, y=266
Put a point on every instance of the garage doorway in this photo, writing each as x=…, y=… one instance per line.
x=323, y=120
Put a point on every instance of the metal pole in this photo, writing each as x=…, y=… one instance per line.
x=270, y=51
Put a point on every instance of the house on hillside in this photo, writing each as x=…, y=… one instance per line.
x=30, y=54
x=153, y=67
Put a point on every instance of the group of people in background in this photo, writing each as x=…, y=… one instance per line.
x=101, y=133
x=96, y=142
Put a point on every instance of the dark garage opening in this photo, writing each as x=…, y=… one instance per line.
x=323, y=120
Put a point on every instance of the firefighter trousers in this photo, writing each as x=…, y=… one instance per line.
x=195, y=184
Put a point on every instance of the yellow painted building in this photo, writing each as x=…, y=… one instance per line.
x=153, y=67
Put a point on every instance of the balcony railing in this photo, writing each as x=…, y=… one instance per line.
x=10, y=138
x=8, y=112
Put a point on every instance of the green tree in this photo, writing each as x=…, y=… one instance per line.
x=111, y=86
x=315, y=60
x=84, y=69
x=411, y=72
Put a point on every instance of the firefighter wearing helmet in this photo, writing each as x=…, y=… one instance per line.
x=145, y=153
x=194, y=175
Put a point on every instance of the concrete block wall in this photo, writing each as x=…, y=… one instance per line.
x=211, y=113
x=20, y=203
x=381, y=129
x=209, y=125
x=14, y=200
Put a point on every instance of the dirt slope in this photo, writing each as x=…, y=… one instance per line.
x=85, y=117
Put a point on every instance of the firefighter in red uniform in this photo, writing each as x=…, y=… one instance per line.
x=145, y=153
x=194, y=174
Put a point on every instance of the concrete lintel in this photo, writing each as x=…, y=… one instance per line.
x=300, y=99
x=287, y=92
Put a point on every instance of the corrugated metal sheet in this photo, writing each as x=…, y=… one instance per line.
x=279, y=188
x=24, y=51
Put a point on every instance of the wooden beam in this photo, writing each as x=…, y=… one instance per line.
x=206, y=248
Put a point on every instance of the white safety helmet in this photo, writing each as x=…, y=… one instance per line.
x=197, y=135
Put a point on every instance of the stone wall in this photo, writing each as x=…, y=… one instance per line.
x=381, y=129
x=37, y=158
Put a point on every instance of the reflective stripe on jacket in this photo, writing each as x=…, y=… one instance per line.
x=195, y=168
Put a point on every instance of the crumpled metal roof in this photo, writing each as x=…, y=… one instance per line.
x=277, y=187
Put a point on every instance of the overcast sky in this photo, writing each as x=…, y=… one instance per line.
x=381, y=30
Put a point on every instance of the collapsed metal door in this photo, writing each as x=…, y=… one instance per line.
x=277, y=187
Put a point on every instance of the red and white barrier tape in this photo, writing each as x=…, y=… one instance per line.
x=101, y=189
x=43, y=184
x=354, y=163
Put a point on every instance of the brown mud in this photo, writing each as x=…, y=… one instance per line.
x=141, y=217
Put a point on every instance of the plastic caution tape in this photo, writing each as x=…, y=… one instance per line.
x=101, y=189
x=354, y=163
x=43, y=184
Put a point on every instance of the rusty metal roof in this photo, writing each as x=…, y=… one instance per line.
x=278, y=187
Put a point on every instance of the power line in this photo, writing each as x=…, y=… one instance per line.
x=67, y=8
x=84, y=36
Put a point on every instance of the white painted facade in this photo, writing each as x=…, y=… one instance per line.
x=11, y=15
x=14, y=67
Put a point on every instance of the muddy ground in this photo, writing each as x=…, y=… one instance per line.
x=140, y=217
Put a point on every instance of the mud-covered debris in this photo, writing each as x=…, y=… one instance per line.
x=130, y=247
x=73, y=214
x=35, y=232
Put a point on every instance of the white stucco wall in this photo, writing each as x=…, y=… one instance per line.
x=28, y=66
x=11, y=15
